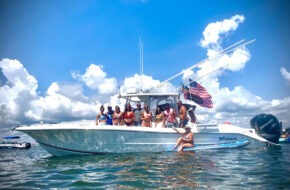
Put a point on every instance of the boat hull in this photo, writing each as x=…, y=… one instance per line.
x=67, y=140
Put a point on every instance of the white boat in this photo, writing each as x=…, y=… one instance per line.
x=86, y=137
x=10, y=143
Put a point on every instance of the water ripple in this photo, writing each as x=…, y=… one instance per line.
x=266, y=168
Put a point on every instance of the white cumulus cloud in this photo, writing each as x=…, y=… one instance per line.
x=13, y=98
x=237, y=105
x=96, y=78
x=285, y=74
x=20, y=103
x=59, y=104
x=133, y=84
x=214, y=31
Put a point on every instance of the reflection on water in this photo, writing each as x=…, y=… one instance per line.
x=211, y=169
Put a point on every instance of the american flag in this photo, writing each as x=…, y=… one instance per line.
x=198, y=94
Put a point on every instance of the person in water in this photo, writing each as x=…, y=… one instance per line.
x=186, y=141
x=117, y=116
x=101, y=118
x=110, y=115
x=129, y=116
x=146, y=117
x=159, y=123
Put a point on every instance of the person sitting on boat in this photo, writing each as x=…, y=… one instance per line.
x=182, y=114
x=101, y=118
x=186, y=141
x=159, y=123
x=138, y=113
x=129, y=116
x=146, y=117
x=110, y=115
x=117, y=116
x=170, y=117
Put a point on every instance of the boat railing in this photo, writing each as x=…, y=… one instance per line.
x=207, y=127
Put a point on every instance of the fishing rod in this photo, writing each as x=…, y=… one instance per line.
x=198, y=79
x=219, y=68
x=224, y=51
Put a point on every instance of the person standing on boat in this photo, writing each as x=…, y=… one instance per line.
x=186, y=141
x=101, y=118
x=159, y=123
x=146, y=117
x=170, y=117
x=110, y=115
x=191, y=114
x=182, y=114
x=117, y=116
x=138, y=113
x=129, y=116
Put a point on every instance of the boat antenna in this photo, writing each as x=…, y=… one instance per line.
x=141, y=64
x=224, y=51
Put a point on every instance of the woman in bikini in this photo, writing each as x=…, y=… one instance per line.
x=101, y=118
x=159, y=118
x=117, y=116
x=146, y=117
x=186, y=141
x=128, y=116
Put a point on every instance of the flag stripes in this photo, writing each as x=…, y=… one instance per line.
x=198, y=94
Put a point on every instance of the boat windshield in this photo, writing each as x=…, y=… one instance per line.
x=162, y=101
x=154, y=101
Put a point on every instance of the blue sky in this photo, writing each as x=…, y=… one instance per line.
x=56, y=42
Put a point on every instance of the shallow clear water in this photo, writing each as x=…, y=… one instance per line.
x=244, y=168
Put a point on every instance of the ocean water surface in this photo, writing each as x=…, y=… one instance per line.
x=241, y=168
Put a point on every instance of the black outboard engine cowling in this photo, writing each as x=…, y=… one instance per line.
x=267, y=126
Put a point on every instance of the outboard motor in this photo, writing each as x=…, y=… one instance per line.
x=27, y=145
x=267, y=126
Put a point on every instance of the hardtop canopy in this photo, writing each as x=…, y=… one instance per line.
x=153, y=100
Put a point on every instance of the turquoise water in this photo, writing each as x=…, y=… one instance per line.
x=243, y=168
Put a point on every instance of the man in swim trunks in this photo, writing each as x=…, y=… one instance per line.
x=138, y=113
x=182, y=114
x=110, y=115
